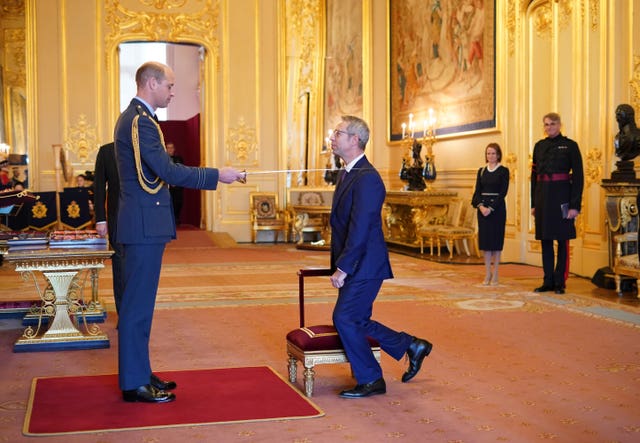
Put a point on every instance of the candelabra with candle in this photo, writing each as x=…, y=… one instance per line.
x=417, y=174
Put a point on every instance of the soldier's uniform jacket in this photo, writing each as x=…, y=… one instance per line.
x=557, y=181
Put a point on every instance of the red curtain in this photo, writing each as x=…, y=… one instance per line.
x=185, y=135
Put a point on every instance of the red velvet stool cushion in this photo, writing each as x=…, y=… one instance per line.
x=318, y=338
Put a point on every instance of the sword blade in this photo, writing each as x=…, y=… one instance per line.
x=282, y=171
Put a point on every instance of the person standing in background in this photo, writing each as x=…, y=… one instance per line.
x=360, y=263
x=5, y=180
x=557, y=181
x=146, y=224
x=105, y=197
x=177, y=192
x=492, y=184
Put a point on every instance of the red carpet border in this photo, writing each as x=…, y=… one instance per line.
x=67, y=405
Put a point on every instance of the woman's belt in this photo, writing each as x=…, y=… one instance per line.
x=556, y=177
x=490, y=193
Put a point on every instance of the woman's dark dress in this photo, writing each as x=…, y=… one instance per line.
x=491, y=189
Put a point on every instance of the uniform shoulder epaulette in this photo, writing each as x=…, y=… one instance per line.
x=142, y=111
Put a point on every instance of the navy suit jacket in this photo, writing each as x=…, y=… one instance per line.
x=106, y=174
x=145, y=218
x=357, y=241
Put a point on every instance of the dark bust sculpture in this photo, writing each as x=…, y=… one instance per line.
x=627, y=141
x=626, y=144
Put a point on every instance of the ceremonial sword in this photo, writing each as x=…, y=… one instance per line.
x=282, y=171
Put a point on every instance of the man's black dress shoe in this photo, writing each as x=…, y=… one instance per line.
x=163, y=385
x=418, y=350
x=148, y=394
x=543, y=288
x=559, y=290
x=373, y=388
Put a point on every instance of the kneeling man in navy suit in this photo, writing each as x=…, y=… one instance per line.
x=360, y=261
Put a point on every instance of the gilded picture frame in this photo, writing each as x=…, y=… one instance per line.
x=441, y=64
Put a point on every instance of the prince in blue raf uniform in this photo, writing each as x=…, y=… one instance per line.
x=360, y=261
x=146, y=224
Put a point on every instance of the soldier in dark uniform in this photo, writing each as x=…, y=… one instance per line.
x=557, y=181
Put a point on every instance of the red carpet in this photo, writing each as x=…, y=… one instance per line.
x=61, y=405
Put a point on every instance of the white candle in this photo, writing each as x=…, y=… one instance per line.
x=424, y=134
x=404, y=127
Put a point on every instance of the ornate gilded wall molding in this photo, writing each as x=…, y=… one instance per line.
x=242, y=145
x=167, y=24
x=12, y=8
x=511, y=162
x=81, y=139
x=542, y=19
x=634, y=84
x=304, y=17
x=14, y=57
x=512, y=23
x=594, y=14
x=543, y=16
x=593, y=167
x=162, y=4
x=565, y=10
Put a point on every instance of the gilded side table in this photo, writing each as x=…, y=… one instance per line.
x=65, y=271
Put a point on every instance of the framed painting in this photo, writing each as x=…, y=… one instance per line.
x=442, y=65
x=343, y=79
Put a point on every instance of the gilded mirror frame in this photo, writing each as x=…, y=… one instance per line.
x=195, y=23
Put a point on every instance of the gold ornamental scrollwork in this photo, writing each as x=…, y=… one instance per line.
x=634, y=84
x=593, y=167
x=82, y=140
x=162, y=4
x=169, y=23
x=305, y=16
x=242, y=144
x=543, y=17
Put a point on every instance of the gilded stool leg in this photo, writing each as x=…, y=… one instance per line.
x=308, y=380
x=293, y=369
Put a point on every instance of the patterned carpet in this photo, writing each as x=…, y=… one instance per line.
x=508, y=365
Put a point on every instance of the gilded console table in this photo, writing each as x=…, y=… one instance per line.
x=65, y=272
x=622, y=213
x=404, y=211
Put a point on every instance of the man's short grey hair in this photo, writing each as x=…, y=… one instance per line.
x=357, y=126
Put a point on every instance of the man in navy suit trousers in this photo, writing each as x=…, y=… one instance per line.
x=360, y=261
x=146, y=224
x=105, y=202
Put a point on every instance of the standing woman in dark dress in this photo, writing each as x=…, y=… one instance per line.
x=492, y=185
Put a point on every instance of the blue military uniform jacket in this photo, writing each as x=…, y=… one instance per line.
x=145, y=212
